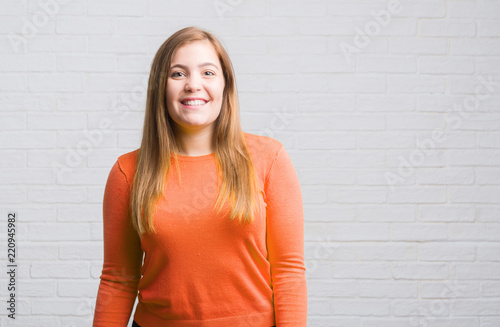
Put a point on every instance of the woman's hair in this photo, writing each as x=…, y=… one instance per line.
x=159, y=143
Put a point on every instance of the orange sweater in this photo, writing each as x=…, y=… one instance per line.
x=201, y=269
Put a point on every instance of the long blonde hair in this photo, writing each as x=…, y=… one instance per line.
x=231, y=153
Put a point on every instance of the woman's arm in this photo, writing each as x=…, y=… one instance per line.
x=285, y=242
x=122, y=255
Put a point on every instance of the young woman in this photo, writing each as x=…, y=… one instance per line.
x=216, y=212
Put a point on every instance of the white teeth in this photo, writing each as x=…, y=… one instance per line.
x=194, y=102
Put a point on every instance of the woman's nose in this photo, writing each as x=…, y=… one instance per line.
x=193, y=84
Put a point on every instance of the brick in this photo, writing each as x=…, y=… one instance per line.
x=488, y=28
x=26, y=176
x=421, y=194
x=365, y=122
x=438, y=102
x=14, y=82
x=13, y=159
x=333, y=177
x=346, y=232
x=85, y=25
x=37, y=288
x=441, y=251
x=449, y=290
x=489, y=321
x=474, y=232
x=464, y=9
x=94, y=63
x=386, y=140
x=59, y=231
x=81, y=251
x=358, y=195
x=488, y=251
x=447, y=213
x=55, y=121
x=420, y=271
x=386, y=64
x=401, y=213
x=410, y=121
x=426, y=308
x=61, y=307
x=476, y=271
x=475, y=157
x=476, y=307
x=28, y=63
x=447, y=28
x=28, y=140
x=487, y=175
x=314, y=102
x=38, y=251
x=263, y=64
x=256, y=26
x=77, y=288
x=298, y=9
x=488, y=139
x=488, y=213
x=390, y=289
x=329, y=214
x=355, y=158
x=361, y=307
x=130, y=83
x=474, y=194
x=490, y=288
x=420, y=46
x=416, y=84
x=80, y=213
x=445, y=176
x=59, y=270
x=109, y=8
x=331, y=288
x=298, y=46
x=31, y=321
x=73, y=7
x=55, y=82
x=365, y=84
x=118, y=44
x=441, y=139
x=474, y=47
x=59, y=43
x=418, y=232
x=56, y=195
x=13, y=121
x=133, y=63
x=326, y=140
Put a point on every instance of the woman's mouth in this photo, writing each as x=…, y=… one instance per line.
x=193, y=104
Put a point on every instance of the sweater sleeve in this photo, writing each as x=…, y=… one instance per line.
x=122, y=255
x=285, y=242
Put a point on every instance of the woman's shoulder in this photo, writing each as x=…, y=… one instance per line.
x=262, y=146
x=127, y=161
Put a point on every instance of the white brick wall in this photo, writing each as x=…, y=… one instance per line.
x=389, y=109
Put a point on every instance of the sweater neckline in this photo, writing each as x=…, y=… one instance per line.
x=181, y=157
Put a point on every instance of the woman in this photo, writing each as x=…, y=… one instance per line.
x=223, y=242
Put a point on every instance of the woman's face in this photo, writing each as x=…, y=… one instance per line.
x=195, y=86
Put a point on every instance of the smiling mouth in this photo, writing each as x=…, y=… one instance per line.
x=193, y=102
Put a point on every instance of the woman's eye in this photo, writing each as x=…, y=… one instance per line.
x=209, y=73
x=176, y=74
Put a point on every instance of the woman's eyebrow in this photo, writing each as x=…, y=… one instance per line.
x=200, y=65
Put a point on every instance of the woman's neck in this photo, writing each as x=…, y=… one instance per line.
x=195, y=143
